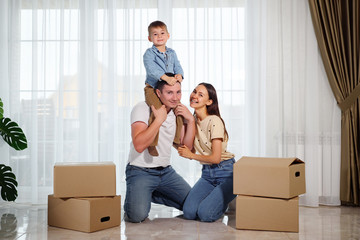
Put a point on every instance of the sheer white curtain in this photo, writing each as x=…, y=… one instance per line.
x=292, y=112
x=71, y=70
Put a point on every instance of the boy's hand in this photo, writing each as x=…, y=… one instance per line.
x=178, y=77
x=170, y=80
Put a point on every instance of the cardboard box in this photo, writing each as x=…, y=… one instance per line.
x=84, y=214
x=84, y=179
x=269, y=177
x=273, y=214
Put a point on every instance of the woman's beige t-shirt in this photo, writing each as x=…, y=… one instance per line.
x=208, y=129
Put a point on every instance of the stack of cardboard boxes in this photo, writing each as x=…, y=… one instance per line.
x=84, y=197
x=268, y=190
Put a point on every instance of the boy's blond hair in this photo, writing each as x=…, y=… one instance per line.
x=157, y=24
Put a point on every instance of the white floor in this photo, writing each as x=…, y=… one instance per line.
x=30, y=222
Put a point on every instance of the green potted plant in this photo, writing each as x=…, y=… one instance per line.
x=15, y=137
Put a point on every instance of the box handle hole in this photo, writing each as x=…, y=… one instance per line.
x=297, y=174
x=105, y=219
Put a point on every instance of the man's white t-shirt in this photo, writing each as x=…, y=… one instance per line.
x=141, y=113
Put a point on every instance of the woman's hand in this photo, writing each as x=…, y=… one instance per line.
x=185, y=152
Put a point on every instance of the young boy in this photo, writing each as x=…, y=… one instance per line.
x=161, y=64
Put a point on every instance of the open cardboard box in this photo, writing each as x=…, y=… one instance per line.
x=269, y=177
x=84, y=214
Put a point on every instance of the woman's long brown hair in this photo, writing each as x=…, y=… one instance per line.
x=213, y=109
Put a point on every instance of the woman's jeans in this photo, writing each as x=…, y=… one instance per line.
x=210, y=196
x=146, y=185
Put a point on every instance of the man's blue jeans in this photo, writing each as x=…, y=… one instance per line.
x=146, y=185
x=210, y=196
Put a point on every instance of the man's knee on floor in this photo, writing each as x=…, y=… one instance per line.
x=135, y=217
x=135, y=213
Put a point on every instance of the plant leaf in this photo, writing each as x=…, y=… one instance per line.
x=1, y=109
x=12, y=134
x=8, y=183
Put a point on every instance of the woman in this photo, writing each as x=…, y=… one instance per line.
x=210, y=196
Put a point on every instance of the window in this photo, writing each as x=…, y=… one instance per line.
x=77, y=68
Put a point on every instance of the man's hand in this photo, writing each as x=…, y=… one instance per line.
x=160, y=114
x=188, y=129
x=182, y=110
x=143, y=135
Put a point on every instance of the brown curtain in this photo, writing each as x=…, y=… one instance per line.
x=336, y=24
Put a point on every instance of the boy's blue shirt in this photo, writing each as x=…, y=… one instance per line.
x=156, y=64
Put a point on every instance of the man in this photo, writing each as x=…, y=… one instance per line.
x=151, y=178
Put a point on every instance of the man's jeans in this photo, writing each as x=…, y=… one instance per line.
x=146, y=185
x=210, y=196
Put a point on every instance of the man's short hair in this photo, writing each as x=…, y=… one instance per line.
x=157, y=24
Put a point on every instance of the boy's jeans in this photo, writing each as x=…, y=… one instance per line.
x=210, y=196
x=146, y=185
